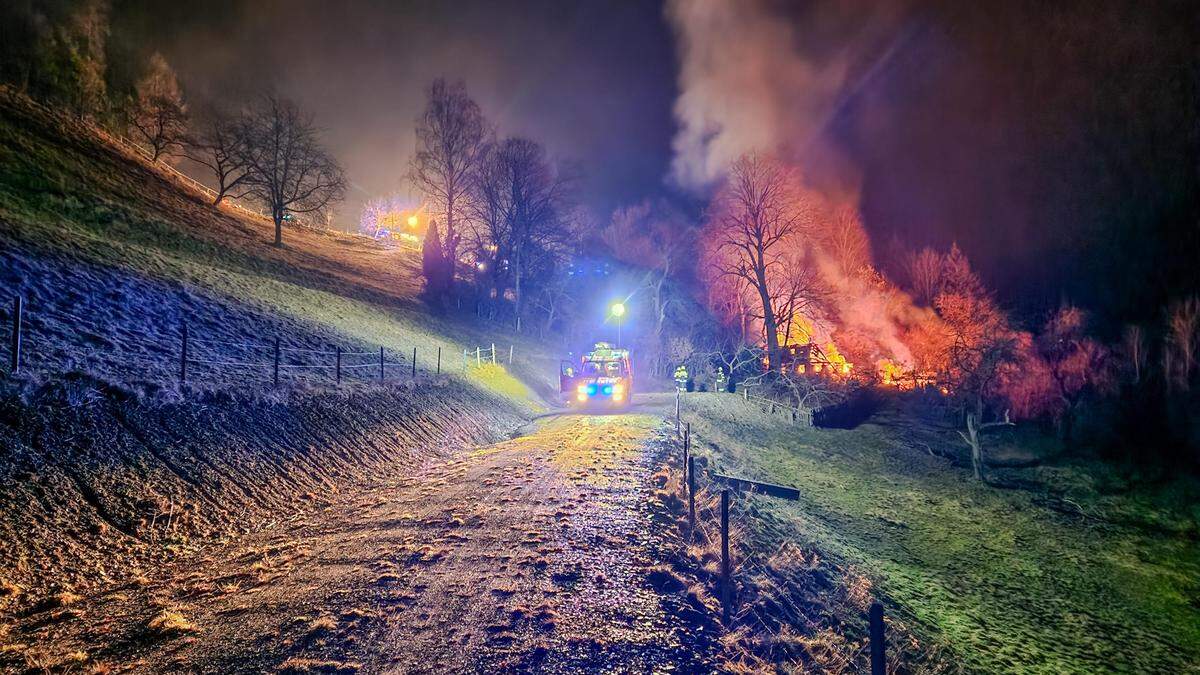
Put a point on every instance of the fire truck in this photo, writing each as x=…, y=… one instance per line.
x=603, y=378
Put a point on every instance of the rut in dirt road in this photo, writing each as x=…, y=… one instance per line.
x=531, y=553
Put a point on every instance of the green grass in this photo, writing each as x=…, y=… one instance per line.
x=1006, y=583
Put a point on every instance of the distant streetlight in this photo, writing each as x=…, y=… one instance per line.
x=617, y=310
x=413, y=221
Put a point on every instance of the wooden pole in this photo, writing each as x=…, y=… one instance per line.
x=338, y=365
x=275, y=369
x=878, y=662
x=381, y=363
x=183, y=356
x=510, y=353
x=493, y=353
x=414, y=363
x=676, y=411
x=15, y=353
x=439, y=365
x=691, y=488
x=726, y=595
x=477, y=359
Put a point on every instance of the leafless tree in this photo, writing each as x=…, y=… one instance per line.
x=924, y=274
x=1182, y=349
x=286, y=167
x=983, y=345
x=1136, y=351
x=523, y=204
x=159, y=115
x=657, y=238
x=847, y=241
x=218, y=145
x=757, y=219
x=451, y=138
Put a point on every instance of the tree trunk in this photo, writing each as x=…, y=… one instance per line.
x=278, y=218
x=972, y=437
x=770, y=325
x=517, y=284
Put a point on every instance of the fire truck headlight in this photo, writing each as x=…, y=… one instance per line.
x=618, y=389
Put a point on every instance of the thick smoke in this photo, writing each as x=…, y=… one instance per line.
x=767, y=77
x=744, y=85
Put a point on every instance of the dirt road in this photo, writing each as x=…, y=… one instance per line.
x=529, y=554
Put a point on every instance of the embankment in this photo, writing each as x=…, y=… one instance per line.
x=97, y=487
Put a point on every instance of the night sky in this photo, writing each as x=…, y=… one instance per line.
x=1057, y=146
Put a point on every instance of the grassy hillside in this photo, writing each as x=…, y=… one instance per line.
x=1071, y=568
x=112, y=256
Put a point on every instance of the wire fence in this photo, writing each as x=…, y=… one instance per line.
x=794, y=414
x=482, y=355
x=187, y=356
x=747, y=565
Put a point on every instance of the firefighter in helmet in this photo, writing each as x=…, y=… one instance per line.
x=681, y=378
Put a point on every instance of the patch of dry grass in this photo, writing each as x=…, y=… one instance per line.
x=170, y=622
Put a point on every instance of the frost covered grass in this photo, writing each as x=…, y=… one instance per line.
x=112, y=257
x=1076, y=570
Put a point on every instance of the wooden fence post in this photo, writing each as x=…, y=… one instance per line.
x=878, y=662
x=691, y=488
x=439, y=365
x=676, y=411
x=687, y=441
x=381, y=363
x=726, y=595
x=183, y=356
x=745, y=394
x=15, y=353
x=414, y=363
x=493, y=353
x=275, y=369
x=338, y=365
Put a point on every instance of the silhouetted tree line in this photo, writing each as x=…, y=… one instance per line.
x=503, y=215
x=66, y=53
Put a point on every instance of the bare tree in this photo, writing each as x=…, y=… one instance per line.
x=451, y=137
x=219, y=145
x=523, y=202
x=1182, y=349
x=1135, y=350
x=159, y=115
x=847, y=241
x=756, y=221
x=924, y=274
x=983, y=346
x=286, y=167
x=657, y=238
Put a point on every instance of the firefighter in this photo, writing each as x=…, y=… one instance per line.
x=681, y=378
x=720, y=384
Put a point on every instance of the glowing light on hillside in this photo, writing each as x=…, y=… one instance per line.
x=617, y=309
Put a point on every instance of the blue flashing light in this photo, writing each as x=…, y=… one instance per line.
x=608, y=390
x=591, y=390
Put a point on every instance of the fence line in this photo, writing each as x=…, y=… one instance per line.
x=771, y=406
x=729, y=484
x=179, y=352
x=487, y=354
